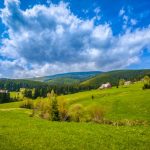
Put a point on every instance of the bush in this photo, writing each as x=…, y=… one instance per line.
x=121, y=82
x=43, y=109
x=146, y=86
x=76, y=112
x=63, y=112
x=48, y=109
x=96, y=113
x=146, y=80
x=27, y=104
x=5, y=97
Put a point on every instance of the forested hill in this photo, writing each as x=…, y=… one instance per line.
x=78, y=76
x=114, y=76
x=71, y=85
x=16, y=84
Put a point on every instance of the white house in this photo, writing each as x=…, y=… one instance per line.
x=3, y=91
x=127, y=83
x=105, y=86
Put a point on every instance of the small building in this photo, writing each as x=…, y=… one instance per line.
x=3, y=91
x=105, y=86
x=127, y=83
x=4, y=96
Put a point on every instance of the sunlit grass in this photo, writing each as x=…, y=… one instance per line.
x=18, y=131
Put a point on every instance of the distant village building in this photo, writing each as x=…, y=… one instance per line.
x=4, y=96
x=105, y=86
x=127, y=83
x=3, y=91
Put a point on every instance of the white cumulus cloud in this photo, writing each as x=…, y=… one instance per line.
x=51, y=39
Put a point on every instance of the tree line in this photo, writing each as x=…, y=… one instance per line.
x=5, y=97
x=34, y=89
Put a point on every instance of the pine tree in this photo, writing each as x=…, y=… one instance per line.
x=54, y=109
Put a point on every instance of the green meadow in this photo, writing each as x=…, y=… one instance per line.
x=126, y=102
x=19, y=131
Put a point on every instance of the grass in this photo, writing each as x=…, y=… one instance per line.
x=130, y=102
x=10, y=105
x=16, y=95
x=18, y=131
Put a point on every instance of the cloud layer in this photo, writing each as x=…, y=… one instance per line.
x=50, y=39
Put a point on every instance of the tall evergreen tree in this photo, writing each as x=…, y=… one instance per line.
x=54, y=107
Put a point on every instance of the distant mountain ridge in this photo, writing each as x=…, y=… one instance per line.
x=114, y=76
x=73, y=82
x=93, y=79
x=71, y=75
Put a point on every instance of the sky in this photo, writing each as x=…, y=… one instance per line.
x=45, y=37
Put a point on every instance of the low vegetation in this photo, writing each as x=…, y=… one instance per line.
x=146, y=81
x=126, y=105
x=18, y=131
x=56, y=109
x=5, y=97
x=114, y=118
x=27, y=104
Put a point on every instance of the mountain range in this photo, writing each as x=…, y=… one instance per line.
x=77, y=80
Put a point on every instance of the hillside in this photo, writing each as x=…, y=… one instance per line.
x=120, y=104
x=74, y=82
x=26, y=133
x=63, y=81
x=114, y=76
x=80, y=76
x=16, y=84
x=90, y=80
x=127, y=102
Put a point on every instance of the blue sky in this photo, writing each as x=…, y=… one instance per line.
x=42, y=37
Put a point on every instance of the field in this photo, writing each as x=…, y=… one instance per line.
x=18, y=131
x=128, y=102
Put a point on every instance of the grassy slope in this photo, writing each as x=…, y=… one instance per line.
x=130, y=102
x=123, y=103
x=114, y=76
x=19, y=131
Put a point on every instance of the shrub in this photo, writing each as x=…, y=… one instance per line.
x=5, y=97
x=146, y=86
x=48, y=109
x=43, y=108
x=96, y=113
x=146, y=80
x=76, y=112
x=63, y=112
x=27, y=104
x=121, y=82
